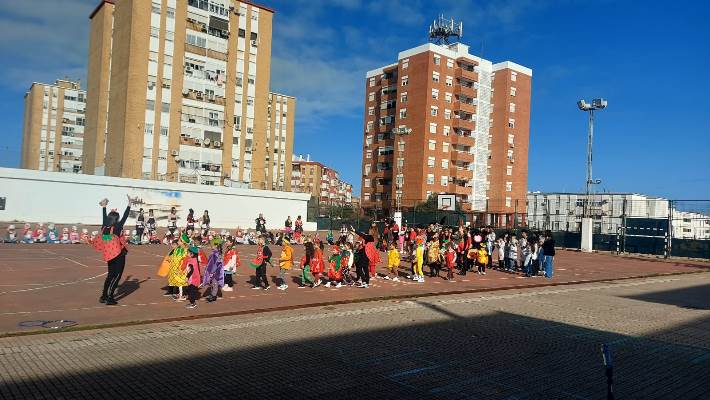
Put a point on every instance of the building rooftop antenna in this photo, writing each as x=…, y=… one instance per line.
x=442, y=29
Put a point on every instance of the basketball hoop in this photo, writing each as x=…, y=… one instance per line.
x=445, y=207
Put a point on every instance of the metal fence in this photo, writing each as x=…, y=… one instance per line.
x=621, y=223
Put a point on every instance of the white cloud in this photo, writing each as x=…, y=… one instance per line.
x=44, y=40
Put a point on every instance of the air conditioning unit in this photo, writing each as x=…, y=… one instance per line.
x=175, y=153
x=207, y=142
x=197, y=141
x=254, y=43
x=191, y=120
x=217, y=143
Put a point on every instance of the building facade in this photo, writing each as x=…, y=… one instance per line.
x=53, y=130
x=610, y=211
x=178, y=90
x=322, y=182
x=434, y=124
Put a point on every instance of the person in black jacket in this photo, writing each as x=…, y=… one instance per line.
x=548, y=248
x=112, y=225
x=362, y=265
x=263, y=255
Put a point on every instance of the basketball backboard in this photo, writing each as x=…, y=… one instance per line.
x=446, y=202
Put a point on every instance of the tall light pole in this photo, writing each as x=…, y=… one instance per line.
x=597, y=104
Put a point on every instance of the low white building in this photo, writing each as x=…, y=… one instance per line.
x=611, y=211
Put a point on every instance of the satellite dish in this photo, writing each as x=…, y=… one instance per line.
x=207, y=142
x=185, y=91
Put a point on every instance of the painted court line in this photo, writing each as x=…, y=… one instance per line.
x=56, y=285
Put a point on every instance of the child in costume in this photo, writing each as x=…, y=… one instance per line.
x=482, y=259
x=39, y=235
x=306, y=262
x=393, y=260
x=52, y=235
x=176, y=274
x=285, y=262
x=84, y=235
x=335, y=266
x=112, y=244
x=317, y=265
x=470, y=262
x=263, y=256
x=450, y=260
x=151, y=224
x=231, y=262
x=74, y=236
x=27, y=235
x=433, y=258
x=192, y=273
x=65, y=236
x=214, y=272
x=11, y=235
x=298, y=231
x=419, y=261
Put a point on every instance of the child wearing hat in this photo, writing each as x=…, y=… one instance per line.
x=192, y=272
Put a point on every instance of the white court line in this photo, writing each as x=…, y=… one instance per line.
x=76, y=262
x=51, y=286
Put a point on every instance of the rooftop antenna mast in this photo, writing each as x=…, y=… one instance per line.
x=442, y=29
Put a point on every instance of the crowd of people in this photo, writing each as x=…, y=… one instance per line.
x=349, y=260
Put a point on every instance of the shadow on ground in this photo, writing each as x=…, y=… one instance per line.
x=694, y=297
x=495, y=356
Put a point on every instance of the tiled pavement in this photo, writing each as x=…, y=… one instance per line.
x=535, y=343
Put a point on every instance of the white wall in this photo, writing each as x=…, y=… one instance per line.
x=65, y=198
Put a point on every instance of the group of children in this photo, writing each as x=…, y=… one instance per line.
x=50, y=234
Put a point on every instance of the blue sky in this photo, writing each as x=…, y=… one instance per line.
x=650, y=61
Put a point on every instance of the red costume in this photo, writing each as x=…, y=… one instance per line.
x=373, y=255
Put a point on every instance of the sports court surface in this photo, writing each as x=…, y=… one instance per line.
x=53, y=282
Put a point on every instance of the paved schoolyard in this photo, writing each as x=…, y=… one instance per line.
x=63, y=282
x=534, y=343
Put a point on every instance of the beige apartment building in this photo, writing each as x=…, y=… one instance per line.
x=441, y=120
x=322, y=182
x=53, y=130
x=178, y=90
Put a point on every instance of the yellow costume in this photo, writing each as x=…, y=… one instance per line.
x=176, y=275
x=419, y=260
x=393, y=259
x=286, y=260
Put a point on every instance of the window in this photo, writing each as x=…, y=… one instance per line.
x=368, y=140
x=431, y=161
x=509, y=186
x=511, y=123
x=508, y=202
x=401, y=146
x=253, y=36
x=512, y=91
x=370, y=110
x=513, y=76
x=368, y=168
x=163, y=131
x=430, y=179
x=368, y=154
x=371, y=96
x=449, y=81
x=403, y=113
x=150, y=105
x=165, y=107
x=434, y=111
x=435, y=94
x=437, y=60
x=153, y=56
x=447, y=129
x=367, y=196
x=170, y=12
x=448, y=97
x=449, y=63
x=510, y=155
x=447, y=115
x=147, y=152
x=432, y=145
x=213, y=118
x=444, y=163
x=403, y=97
x=148, y=129
x=154, y=32
x=444, y=181
x=405, y=63
x=512, y=107
x=509, y=170
x=367, y=183
x=432, y=127
x=445, y=147
x=155, y=8
x=370, y=125
x=511, y=138
x=400, y=162
x=435, y=77
x=405, y=80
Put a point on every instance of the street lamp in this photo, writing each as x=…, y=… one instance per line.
x=587, y=230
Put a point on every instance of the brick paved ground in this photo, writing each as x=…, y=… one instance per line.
x=54, y=282
x=535, y=343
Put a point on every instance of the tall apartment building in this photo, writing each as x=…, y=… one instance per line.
x=322, y=182
x=178, y=90
x=53, y=130
x=441, y=120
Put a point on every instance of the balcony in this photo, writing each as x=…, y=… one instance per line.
x=459, y=123
x=462, y=156
x=465, y=90
x=461, y=173
x=463, y=140
x=466, y=107
x=462, y=190
x=462, y=73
